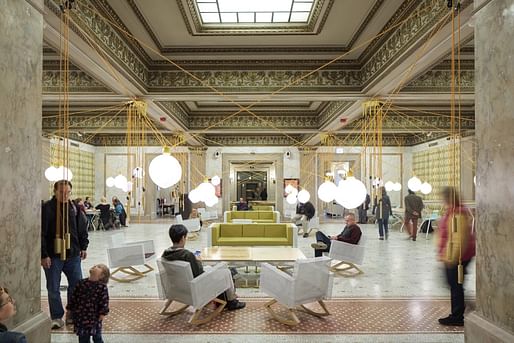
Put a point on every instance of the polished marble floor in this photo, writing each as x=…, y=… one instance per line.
x=394, y=270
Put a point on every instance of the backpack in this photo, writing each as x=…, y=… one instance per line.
x=426, y=224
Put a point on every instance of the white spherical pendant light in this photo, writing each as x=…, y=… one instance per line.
x=426, y=188
x=327, y=191
x=289, y=189
x=165, y=170
x=414, y=184
x=120, y=181
x=389, y=186
x=397, y=187
x=51, y=173
x=215, y=180
x=109, y=182
x=63, y=173
x=211, y=201
x=291, y=199
x=353, y=193
x=206, y=190
x=138, y=172
x=303, y=196
x=194, y=196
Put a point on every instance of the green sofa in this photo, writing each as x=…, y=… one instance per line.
x=257, y=208
x=254, y=216
x=273, y=234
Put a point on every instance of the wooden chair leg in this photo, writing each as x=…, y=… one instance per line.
x=293, y=318
x=195, y=319
x=168, y=303
x=133, y=273
x=315, y=313
x=342, y=269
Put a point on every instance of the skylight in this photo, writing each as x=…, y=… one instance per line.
x=254, y=11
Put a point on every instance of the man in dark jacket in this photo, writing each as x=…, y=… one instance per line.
x=64, y=241
x=413, y=207
x=351, y=234
x=178, y=235
x=382, y=209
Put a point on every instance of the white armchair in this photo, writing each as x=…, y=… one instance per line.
x=175, y=282
x=310, y=282
x=207, y=215
x=123, y=256
x=192, y=225
x=347, y=257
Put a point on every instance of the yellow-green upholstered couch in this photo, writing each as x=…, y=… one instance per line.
x=257, y=208
x=267, y=234
x=255, y=216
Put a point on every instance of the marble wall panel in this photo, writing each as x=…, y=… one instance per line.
x=21, y=24
x=494, y=48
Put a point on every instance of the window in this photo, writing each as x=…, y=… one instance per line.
x=254, y=11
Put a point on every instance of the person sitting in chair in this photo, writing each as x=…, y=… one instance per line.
x=178, y=235
x=351, y=234
x=105, y=215
x=304, y=213
x=242, y=205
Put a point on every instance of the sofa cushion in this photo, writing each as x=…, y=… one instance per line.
x=265, y=215
x=252, y=215
x=253, y=230
x=232, y=230
x=251, y=241
x=238, y=214
x=275, y=230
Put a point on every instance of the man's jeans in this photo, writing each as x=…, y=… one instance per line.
x=321, y=237
x=72, y=270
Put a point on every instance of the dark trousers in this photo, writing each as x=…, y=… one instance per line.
x=383, y=227
x=97, y=338
x=456, y=290
x=321, y=237
x=363, y=216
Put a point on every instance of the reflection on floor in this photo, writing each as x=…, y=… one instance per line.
x=402, y=293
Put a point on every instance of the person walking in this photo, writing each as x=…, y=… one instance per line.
x=64, y=242
x=456, y=249
x=413, y=207
x=382, y=209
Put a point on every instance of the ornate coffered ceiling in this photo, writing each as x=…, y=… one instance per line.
x=265, y=88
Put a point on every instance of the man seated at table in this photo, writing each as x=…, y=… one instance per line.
x=178, y=235
x=351, y=234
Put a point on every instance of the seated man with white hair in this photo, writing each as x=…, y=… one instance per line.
x=351, y=234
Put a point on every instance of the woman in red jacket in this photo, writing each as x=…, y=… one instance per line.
x=456, y=249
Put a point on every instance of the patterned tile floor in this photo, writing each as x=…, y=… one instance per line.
x=394, y=269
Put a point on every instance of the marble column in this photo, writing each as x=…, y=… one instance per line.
x=21, y=25
x=493, y=319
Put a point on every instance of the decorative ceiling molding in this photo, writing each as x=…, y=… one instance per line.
x=196, y=28
x=332, y=110
x=242, y=122
x=438, y=79
x=246, y=140
x=173, y=109
x=259, y=81
x=417, y=123
x=121, y=140
x=79, y=81
x=105, y=36
x=426, y=15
